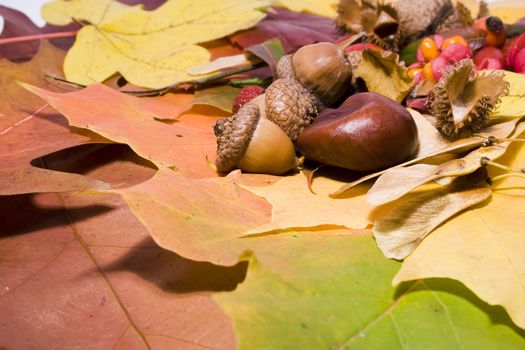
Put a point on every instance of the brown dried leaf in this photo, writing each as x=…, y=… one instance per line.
x=400, y=226
x=501, y=130
x=382, y=74
x=397, y=182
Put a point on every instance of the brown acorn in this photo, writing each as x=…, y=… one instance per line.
x=252, y=143
x=324, y=69
x=367, y=132
x=285, y=68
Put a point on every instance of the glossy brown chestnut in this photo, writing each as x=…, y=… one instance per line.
x=367, y=132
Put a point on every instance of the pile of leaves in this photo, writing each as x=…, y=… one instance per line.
x=117, y=232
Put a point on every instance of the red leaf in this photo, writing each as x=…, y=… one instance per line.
x=292, y=28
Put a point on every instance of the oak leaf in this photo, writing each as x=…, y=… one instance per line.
x=483, y=247
x=149, y=48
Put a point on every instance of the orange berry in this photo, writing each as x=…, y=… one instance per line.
x=412, y=72
x=429, y=49
x=454, y=40
x=427, y=72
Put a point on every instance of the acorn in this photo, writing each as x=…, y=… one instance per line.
x=284, y=68
x=252, y=143
x=291, y=106
x=324, y=69
x=367, y=132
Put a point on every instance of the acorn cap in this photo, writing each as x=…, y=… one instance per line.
x=234, y=135
x=291, y=106
x=285, y=68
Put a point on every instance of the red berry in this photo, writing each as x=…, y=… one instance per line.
x=454, y=53
x=489, y=63
x=439, y=65
x=492, y=53
x=517, y=44
x=519, y=62
x=246, y=94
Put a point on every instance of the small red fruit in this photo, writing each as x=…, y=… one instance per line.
x=246, y=94
x=488, y=52
x=519, y=62
x=438, y=67
x=517, y=44
x=454, y=53
x=489, y=63
x=494, y=29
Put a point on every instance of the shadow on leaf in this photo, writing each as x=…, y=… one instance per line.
x=496, y=313
x=176, y=274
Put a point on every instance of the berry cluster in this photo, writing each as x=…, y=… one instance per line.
x=436, y=53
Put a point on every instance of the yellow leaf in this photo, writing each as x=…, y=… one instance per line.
x=295, y=207
x=512, y=105
x=149, y=48
x=326, y=8
x=483, y=247
x=62, y=12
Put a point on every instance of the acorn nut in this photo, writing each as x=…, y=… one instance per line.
x=324, y=69
x=367, y=132
x=252, y=143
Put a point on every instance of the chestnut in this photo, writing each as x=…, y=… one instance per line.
x=367, y=132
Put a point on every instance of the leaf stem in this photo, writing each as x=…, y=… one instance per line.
x=486, y=161
x=34, y=37
x=502, y=176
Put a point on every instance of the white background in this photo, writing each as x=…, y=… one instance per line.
x=30, y=7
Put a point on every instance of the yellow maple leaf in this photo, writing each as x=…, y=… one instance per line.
x=319, y=7
x=149, y=48
x=295, y=207
x=483, y=247
x=93, y=11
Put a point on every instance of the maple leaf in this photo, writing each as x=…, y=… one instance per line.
x=76, y=262
x=30, y=130
x=292, y=29
x=324, y=8
x=335, y=293
x=296, y=208
x=482, y=248
x=184, y=144
x=149, y=48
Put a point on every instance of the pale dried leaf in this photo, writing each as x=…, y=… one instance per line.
x=460, y=146
x=400, y=226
